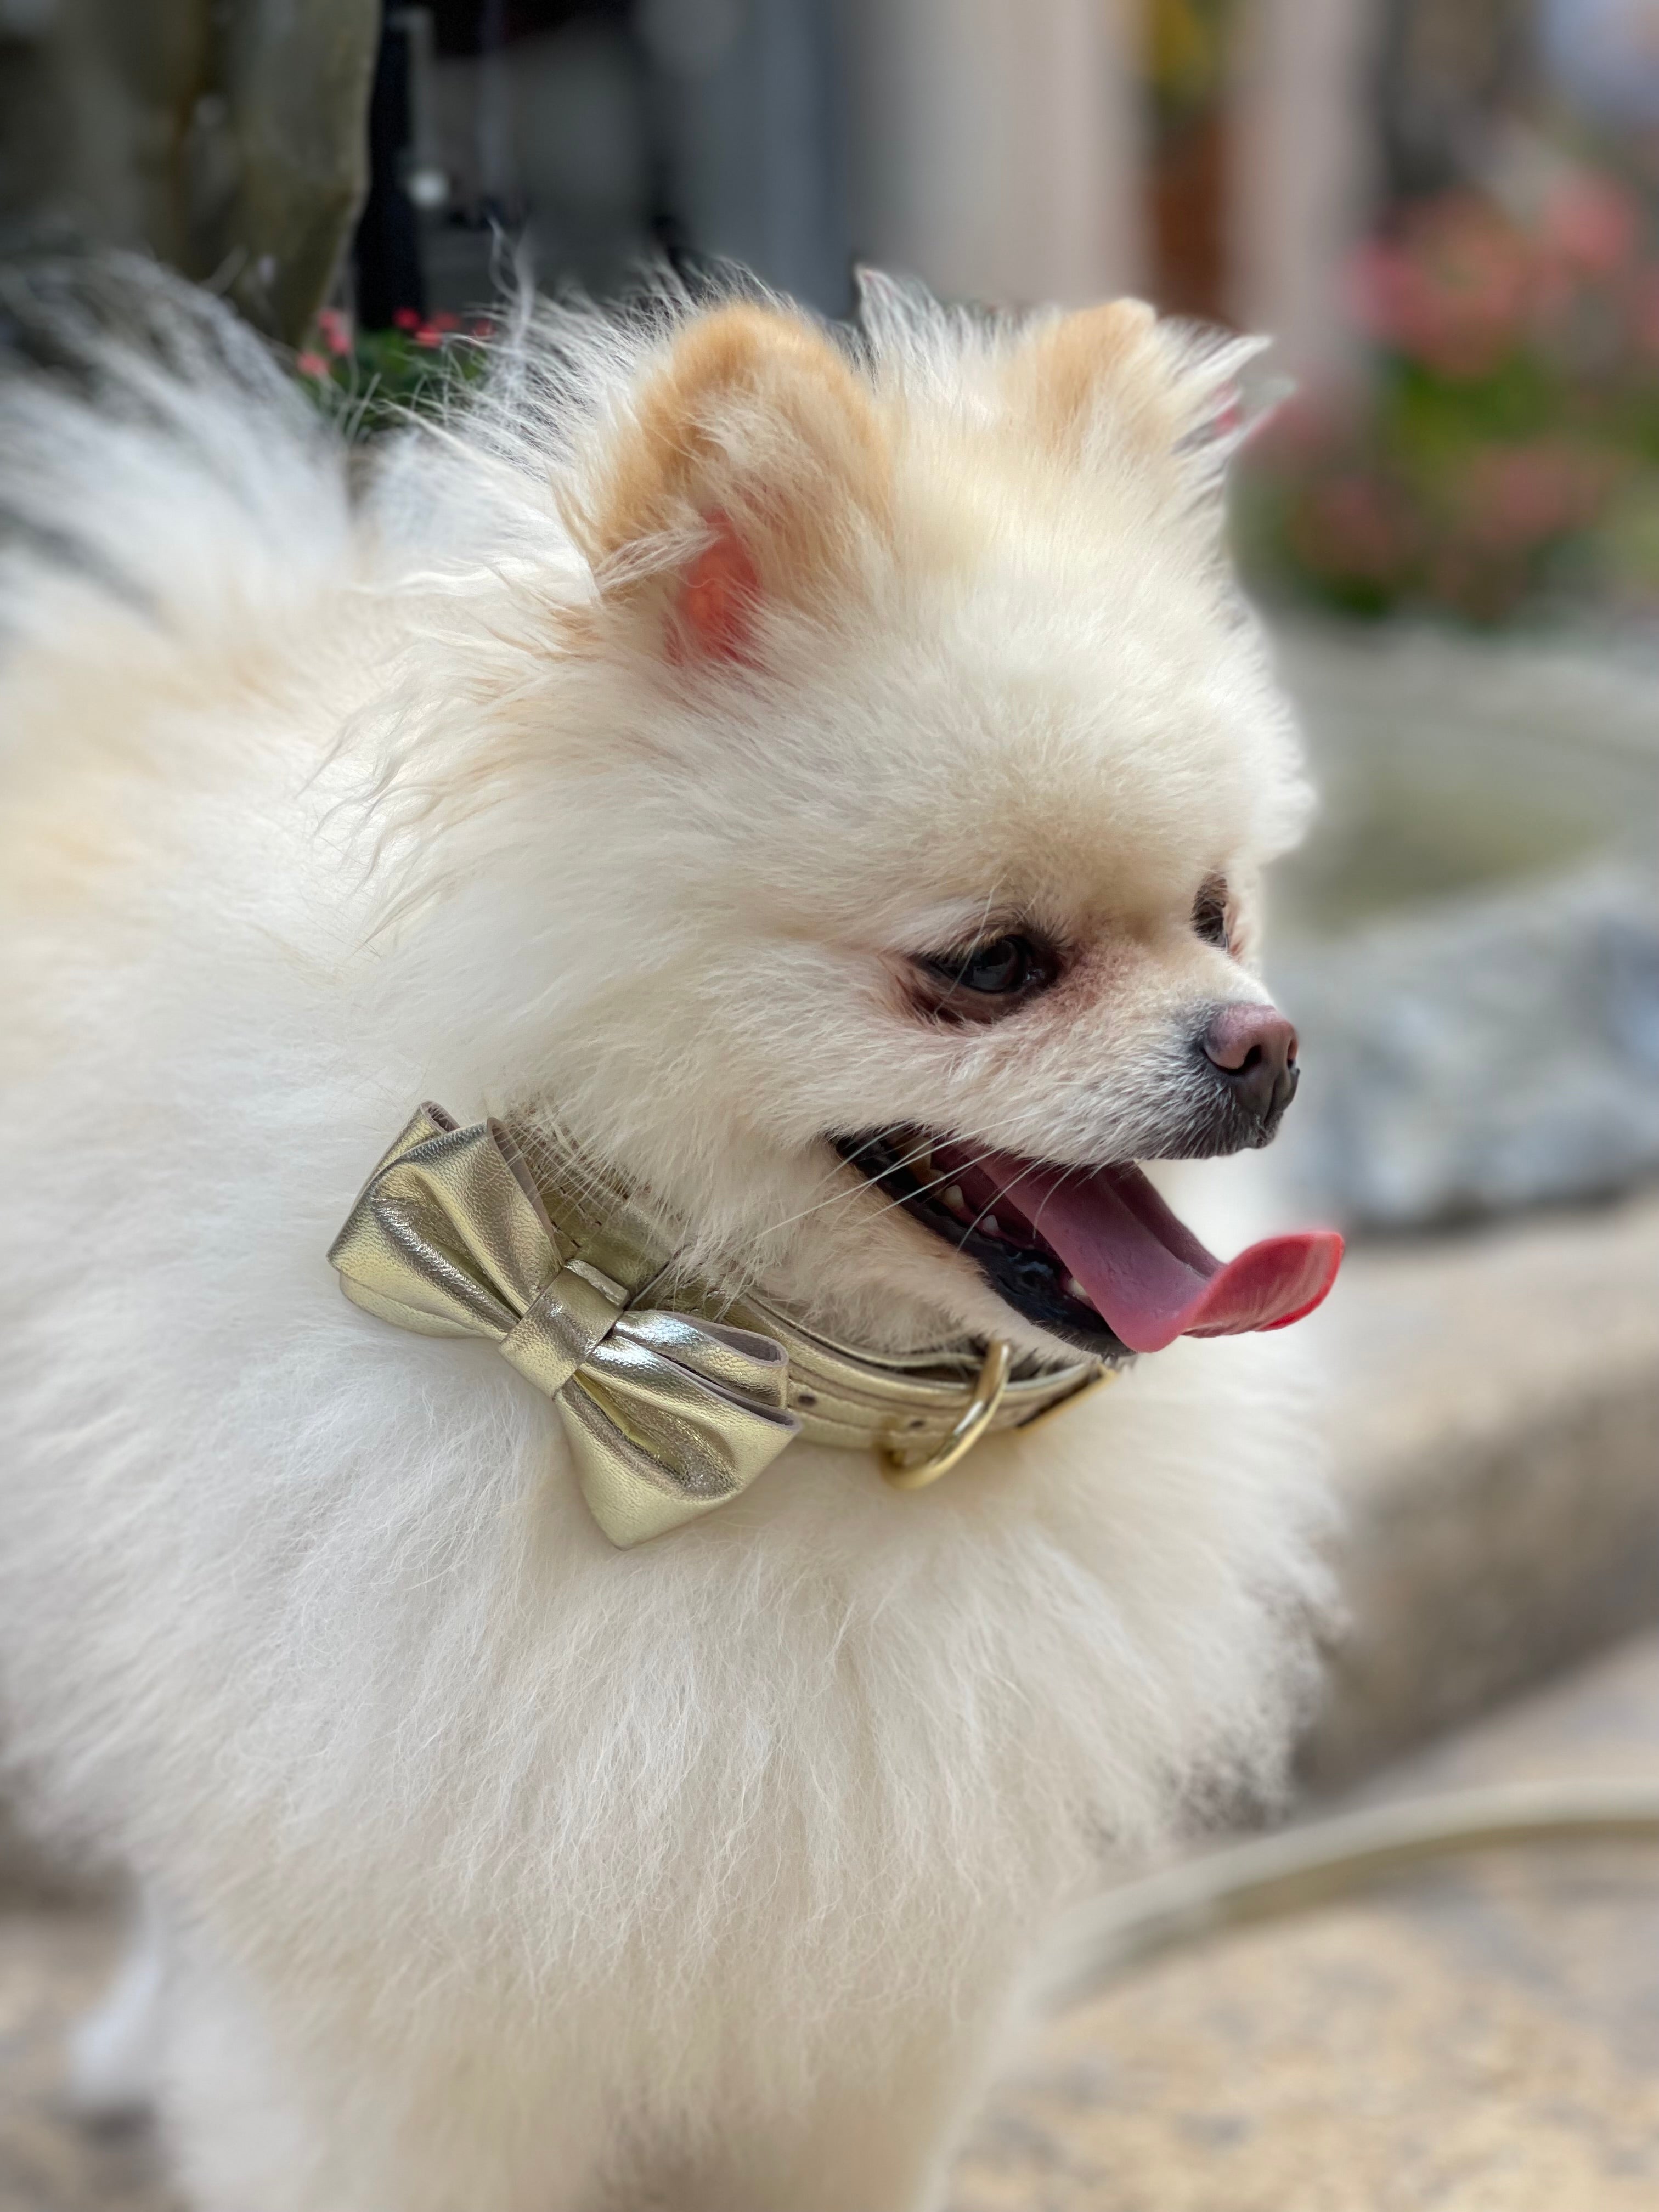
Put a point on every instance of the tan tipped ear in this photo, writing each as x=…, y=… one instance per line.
x=1064, y=371
x=756, y=443
x=1113, y=376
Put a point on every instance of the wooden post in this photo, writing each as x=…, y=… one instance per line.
x=228, y=141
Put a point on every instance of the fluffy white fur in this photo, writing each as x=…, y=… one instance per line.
x=503, y=1872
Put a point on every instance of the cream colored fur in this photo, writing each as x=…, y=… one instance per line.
x=503, y=1872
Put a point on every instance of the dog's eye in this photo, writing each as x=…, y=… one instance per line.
x=1210, y=914
x=987, y=979
x=1007, y=965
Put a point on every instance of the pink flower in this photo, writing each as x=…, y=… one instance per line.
x=312, y=364
x=1645, y=317
x=1450, y=291
x=1355, y=526
x=1519, y=498
x=1586, y=266
x=1303, y=431
x=443, y=320
x=1592, y=225
x=406, y=319
x=429, y=336
x=334, y=329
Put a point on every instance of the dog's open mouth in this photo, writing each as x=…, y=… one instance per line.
x=1092, y=1255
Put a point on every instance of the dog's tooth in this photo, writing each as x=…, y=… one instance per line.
x=954, y=1198
x=991, y=1225
x=1075, y=1290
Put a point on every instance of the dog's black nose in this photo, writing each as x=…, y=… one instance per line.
x=1253, y=1049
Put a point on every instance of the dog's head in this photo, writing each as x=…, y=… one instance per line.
x=917, y=767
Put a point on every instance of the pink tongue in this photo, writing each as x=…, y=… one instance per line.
x=1147, y=1275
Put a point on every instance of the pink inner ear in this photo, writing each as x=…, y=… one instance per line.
x=717, y=599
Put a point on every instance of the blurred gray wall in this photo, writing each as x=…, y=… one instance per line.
x=752, y=121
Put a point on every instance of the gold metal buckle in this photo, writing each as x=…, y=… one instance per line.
x=987, y=1396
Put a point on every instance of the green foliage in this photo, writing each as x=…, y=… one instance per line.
x=373, y=380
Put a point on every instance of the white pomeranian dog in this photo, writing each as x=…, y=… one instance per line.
x=812, y=788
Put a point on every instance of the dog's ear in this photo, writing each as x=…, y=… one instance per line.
x=1070, y=371
x=1114, y=382
x=753, y=468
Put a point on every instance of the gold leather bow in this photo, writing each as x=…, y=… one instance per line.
x=667, y=1415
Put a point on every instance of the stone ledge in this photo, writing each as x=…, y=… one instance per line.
x=1496, y=1416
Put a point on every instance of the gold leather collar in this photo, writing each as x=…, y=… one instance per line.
x=671, y=1410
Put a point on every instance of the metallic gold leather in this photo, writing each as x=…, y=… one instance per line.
x=872, y=1400
x=667, y=1415
x=491, y=1232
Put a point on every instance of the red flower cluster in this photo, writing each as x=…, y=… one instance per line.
x=1513, y=409
x=439, y=325
x=1463, y=282
x=371, y=380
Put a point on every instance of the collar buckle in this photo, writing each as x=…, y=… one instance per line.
x=898, y=1470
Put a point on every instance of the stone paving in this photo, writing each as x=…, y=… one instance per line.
x=1483, y=2036
x=52, y=1962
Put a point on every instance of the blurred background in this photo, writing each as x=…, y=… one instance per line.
x=1446, y=213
